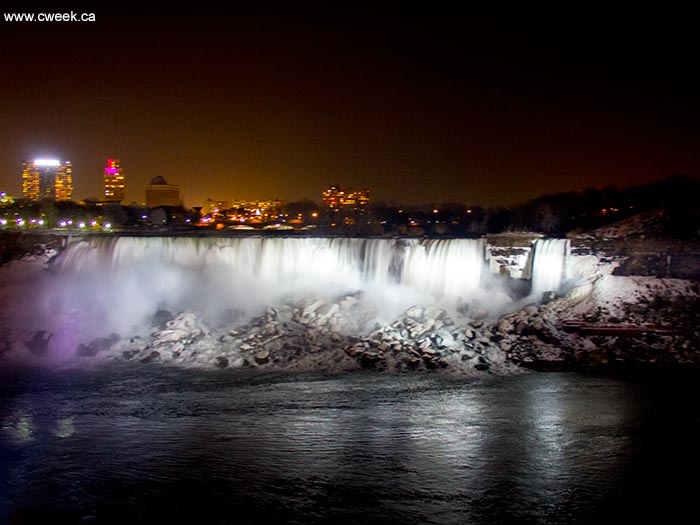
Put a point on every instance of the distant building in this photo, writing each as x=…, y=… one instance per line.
x=337, y=198
x=114, y=182
x=47, y=179
x=160, y=193
x=255, y=211
x=6, y=199
x=214, y=208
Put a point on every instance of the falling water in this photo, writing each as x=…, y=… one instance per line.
x=118, y=282
x=548, y=266
x=436, y=267
x=102, y=285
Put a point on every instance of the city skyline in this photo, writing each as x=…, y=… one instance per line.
x=419, y=106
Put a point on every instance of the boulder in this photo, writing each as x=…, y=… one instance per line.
x=85, y=351
x=262, y=357
x=327, y=309
x=38, y=344
x=549, y=296
x=150, y=357
x=99, y=344
x=411, y=362
x=434, y=312
x=505, y=326
x=355, y=350
x=271, y=312
x=444, y=338
x=415, y=312
x=311, y=308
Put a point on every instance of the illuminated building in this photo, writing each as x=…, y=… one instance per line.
x=47, y=179
x=114, y=184
x=255, y=211
x=160, y=193
x=337, y=198
x=5, y=198
x=214, y=208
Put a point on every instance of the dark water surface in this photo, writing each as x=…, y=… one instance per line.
x=147, y=444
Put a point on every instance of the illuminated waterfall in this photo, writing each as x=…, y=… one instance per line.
x=436, y=267
x=127, y=279
x=102, y=285
x=548, y=266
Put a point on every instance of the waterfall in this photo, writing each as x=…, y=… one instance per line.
x=436, y=267
x=548, y=266
x=100, y=285
x=123, y=280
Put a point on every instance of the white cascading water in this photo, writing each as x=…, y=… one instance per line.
x=548, y=266
x=435, y=267
x=115, y=284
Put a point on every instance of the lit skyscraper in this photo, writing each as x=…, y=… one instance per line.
x=47, y=179
x=114, y=183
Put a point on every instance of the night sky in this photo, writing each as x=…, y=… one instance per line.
x=418, y=104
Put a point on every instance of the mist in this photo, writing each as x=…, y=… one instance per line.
x=115, y=285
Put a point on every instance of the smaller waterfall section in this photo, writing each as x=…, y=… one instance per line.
x=549, y=266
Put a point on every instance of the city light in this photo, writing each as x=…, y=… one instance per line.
x=47, y=162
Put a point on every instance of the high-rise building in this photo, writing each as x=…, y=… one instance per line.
x=337, y=198
x=47, y=179
x=160, y=193
x=114, y=182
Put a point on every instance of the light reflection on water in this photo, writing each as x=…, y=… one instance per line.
x=140, y=444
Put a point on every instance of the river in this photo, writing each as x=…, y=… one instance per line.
x=142, y=444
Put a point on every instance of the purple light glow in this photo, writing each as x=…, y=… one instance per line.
x=111, y=171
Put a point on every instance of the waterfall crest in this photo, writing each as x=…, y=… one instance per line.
x=436, y=267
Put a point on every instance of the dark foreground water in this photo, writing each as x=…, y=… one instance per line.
x=148, y=444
